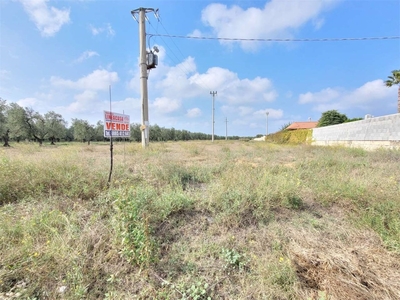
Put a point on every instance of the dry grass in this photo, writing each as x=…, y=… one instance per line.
x=343, y=262
x=192, y=220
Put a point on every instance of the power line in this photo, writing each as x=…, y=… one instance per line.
x=180, y=66
x=160, y=21
x=278, y=40
x=184, y=71
x=201, y=83
x=165, y=43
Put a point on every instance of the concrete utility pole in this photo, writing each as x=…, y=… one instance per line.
x=226, y=129
x=213, y=95
x=266, y=137
x=143, y=72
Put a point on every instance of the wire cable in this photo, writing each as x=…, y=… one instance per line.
x=277, y=40
x=184, y=71
x=177, y=60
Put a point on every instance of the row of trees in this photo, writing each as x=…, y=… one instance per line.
x=18, y=123
x=159, y=134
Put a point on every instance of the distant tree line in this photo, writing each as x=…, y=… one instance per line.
x=162, y=134
x=21, y=124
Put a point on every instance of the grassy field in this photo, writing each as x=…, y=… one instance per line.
x=199, y=220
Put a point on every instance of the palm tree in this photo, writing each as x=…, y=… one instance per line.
x=395, y=80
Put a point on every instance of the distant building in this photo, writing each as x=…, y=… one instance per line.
x=302, y=125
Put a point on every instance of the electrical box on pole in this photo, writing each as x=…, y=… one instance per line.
x=148, y=61
x=152, y=60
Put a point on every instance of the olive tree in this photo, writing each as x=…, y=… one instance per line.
x=99, y=131
x=36, y=125
x=16, y=121
x=136, y=133
x=4, y=130
x=83, y=131
x=55, y=126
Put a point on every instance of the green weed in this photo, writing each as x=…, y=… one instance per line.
x=197, y=291
x=234, y=259
x=384, y=219
x=137, y=243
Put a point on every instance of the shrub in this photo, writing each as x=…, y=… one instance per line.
x=294, y=137
x=331, y=117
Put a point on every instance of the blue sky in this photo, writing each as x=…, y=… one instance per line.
x=63, y=55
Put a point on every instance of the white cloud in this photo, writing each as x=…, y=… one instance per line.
x=214, y=78
x=184, y=80
x=239, y=91
x=165, y=105
x=97, y=80
x=325, y=95
x=89, y=103
x=272, y=113
x=371, y=91
x=193, y=112
x=27, y=102
x=110, y=31
x=86, y=95
x=369, y=95
x=94, y=30
x=107, y=28
x=87, y=100
x=277, y=19
x=176, y=78
x=129, y=106
x=196, y=33
x=84, y=102
x=86, y=55
x=48, y=20
x=182, y=83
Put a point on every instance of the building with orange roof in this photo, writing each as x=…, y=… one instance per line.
x=302, y=125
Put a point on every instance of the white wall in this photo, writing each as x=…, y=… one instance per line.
x=371, y=133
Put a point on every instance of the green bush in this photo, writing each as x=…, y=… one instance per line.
x=293, y=137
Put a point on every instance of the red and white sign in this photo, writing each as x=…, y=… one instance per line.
x=116, y=125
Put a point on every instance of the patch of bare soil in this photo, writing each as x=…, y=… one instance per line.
x=342, y=263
